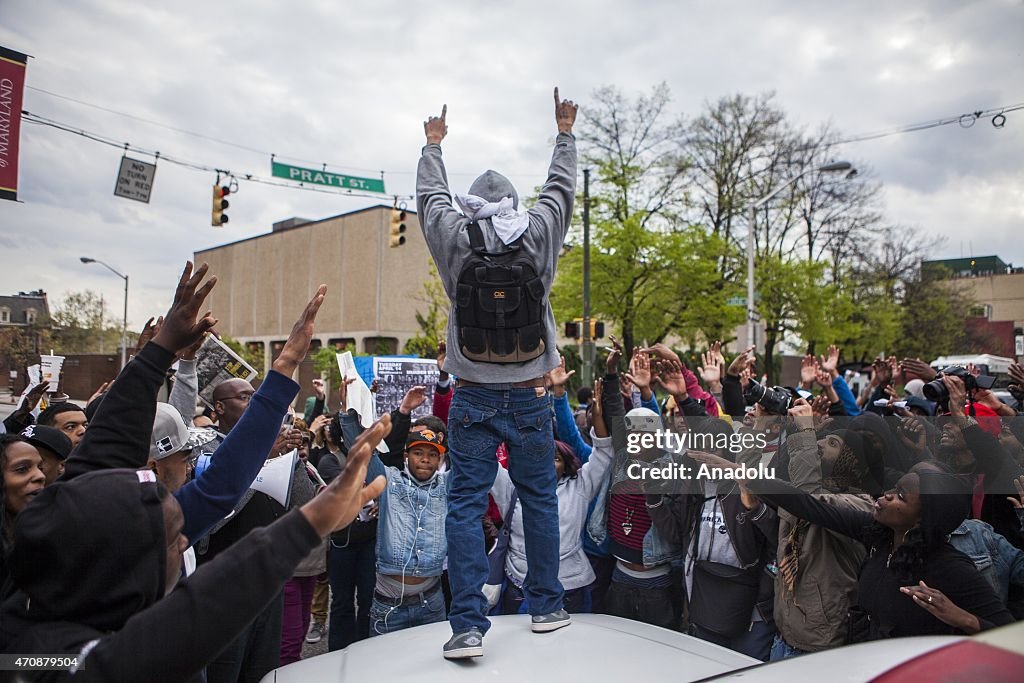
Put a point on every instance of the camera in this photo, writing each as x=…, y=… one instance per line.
x=936, y=391
x=775, y=400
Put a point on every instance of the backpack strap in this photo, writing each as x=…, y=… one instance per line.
x=476, y=241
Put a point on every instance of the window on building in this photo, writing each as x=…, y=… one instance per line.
x=30, y=315
x=380, y=346
x=5, y=315
x=342, y=343
x=981, y=311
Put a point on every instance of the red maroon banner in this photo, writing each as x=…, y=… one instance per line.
x=12, y=85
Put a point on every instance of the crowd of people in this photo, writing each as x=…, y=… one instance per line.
x=132, y=539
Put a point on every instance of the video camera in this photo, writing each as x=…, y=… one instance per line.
x=936, y=391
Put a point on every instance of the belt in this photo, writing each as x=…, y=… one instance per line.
x=407, y=600
x=528, y=384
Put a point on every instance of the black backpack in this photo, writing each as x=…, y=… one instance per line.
x=500, y=304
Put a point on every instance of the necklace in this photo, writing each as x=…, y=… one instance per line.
x=627, y=526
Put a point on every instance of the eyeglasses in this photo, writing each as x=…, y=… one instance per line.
x=244, y=398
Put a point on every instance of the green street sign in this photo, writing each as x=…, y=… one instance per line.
x=309, y=175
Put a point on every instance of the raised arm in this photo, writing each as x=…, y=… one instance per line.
x=120, y=432
x=555, y=202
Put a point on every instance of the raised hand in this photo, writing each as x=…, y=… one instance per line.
x=180, y=328
x=918, y=367
x=559, y=376
x=319, y=422
x=808, y=371
x=820, y=406
x=338, y=504
x=442, y=352
x=670, y=378
x=711, y=369
x=148, y=330
x=565, y=113
x=743, y=361
x=640, y=370
x=294, y=351
x=436, y=127
x=612, y=361
x=288, y=439
x=912, y=434
x=343, y=391
x=957, y=393
x=1018, y=500
x=318, y=389
x=413, y=399
x=746, y=377
x=663, y=352
x=830, y=361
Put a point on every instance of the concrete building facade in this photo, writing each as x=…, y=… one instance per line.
x=374, y=290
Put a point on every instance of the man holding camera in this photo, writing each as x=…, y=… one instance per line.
x=497, y=264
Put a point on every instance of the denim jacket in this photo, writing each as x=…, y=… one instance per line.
x=410, y=535
x=997, y=560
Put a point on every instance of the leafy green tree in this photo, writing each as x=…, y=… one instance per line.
x=82, y=325
x=254, y=356
x=434, y=323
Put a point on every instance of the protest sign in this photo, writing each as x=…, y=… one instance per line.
x=49, y=368
x=215, y=363
x=359, y=397
x=395, y=376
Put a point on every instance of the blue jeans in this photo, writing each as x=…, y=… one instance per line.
x=480, y=419
x=783, y=650
x=352, y=574
x=387, y=618
x=756, y=642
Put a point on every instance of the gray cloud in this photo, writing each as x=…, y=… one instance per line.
x=350, y=85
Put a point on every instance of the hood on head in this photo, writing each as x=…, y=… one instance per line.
x=91, y=550
x=642, y=420
x=494, y=187
x=914, y=387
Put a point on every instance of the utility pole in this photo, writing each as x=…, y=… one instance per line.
x=588, y=343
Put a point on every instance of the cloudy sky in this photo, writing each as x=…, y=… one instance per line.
x=348, y=84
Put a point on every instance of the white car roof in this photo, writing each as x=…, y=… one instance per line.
x=594, y=648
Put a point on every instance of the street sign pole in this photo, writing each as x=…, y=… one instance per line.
x=588, y=343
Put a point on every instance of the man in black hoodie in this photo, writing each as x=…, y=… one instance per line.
x=104, y=544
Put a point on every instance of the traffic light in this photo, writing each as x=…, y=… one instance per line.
x=217, y=216
x=574, y=329
x=397, y=227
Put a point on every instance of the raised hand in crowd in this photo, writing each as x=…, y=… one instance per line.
x=913, y=436
x=664, y=353
x=710, y=370
x=1018, y=500
x=295, y=349
x=640, y=372
x=375, y=386
x=957, y=394
x=413, y=399
x=820, y=405
x=670, y=378
x=343, y=392
x=612, y=361
x=180, y=328
x=288, y=440
x=1016, y=372
x=319, y=389
x=746, y=377
x=148, y=331
x=808, y=371
x=830, y=361
x=560, y=377
x=190, y=352
x=96, y=394
x=743, y=361
x=338, y=504
x=319, y=423
x=916, y=366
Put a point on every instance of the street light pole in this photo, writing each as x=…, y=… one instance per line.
x=588, y=343
x=124, y=321
x=751, y=312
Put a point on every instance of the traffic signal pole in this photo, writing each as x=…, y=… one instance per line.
x=588, y=342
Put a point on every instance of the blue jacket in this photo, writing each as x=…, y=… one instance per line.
x=845, y=396
x=996, y=558
x=411, y=539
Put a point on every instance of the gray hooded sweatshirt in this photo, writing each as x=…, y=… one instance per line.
x=445, y=231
